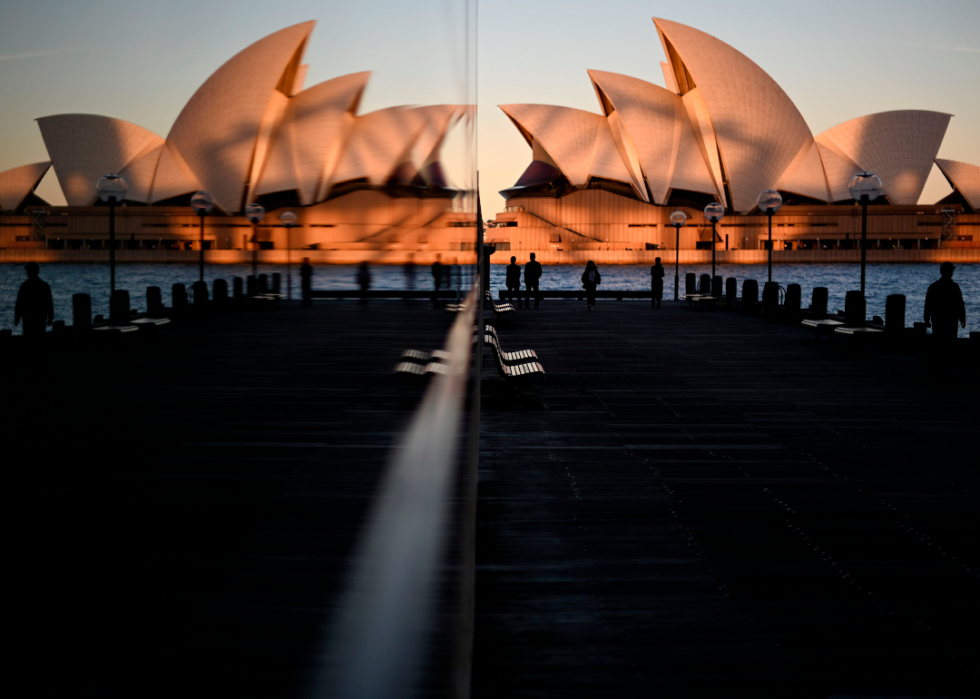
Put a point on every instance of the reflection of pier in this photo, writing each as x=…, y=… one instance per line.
x=689, y=504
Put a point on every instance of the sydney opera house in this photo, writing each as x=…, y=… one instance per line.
x=251, y=133
x=724, y=131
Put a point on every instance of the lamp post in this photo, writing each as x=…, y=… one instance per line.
x=255, y=213
x=677, y=219
x=769, y=202
x=112, y=190
x=202, y=203
x=288, y=219
x=714, y=213
x=864, y=187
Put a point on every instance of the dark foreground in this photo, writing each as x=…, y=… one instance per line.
x=182, y=509
x=701, y=504
x=691, y=504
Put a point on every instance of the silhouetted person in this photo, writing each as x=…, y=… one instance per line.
x=436, y=278
x=437, y=272
x=364, y=280
x=944, y=305
x=590, y=280
x=657, y=283
x=532, y=275
x=514, y=279
x=306, y=282
x=34, y=303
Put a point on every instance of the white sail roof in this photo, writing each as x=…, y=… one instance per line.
x=568, y=135
x=657, y=124
x=18, y=182
x=805, y=175
x=964, y=178
x=899, y=147
x=311, y=136
x=234, y=114
x=379, y=142
x=759, y=130
x=84, y=147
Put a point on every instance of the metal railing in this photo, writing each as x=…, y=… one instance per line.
x=378, y=641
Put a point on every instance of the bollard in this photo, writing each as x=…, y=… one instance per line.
x=690, y=283
x=750, y=293
x=237, y=292
x=818, y=302
x=704, y=284
x=81, y=311
x=178, y=298
x=855, y=311
x=253, y=285
x=794, y=300
x=219, y=292
x=717, y=284
x=276, y=282
x=770, y=299
x=119, y=307
x=895, y=313
x=200, y=292
x=154, y=302
x=263, y=283
x=731, y=289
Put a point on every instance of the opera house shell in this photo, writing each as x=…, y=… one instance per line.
x=253, y=133
x=722, y=130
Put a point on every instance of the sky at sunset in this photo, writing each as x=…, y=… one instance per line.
x=141, y=61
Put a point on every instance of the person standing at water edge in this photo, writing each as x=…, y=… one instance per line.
x=656, y=283
x=532, y=274
x=306, y=282
x=364, y=280
x=944, y=305
x=437, y=272
x=34, y=303
x=590, y=280
x=514, y=280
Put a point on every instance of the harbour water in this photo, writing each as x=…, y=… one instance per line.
x=882, y=280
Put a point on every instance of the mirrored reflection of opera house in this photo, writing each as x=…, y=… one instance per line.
x=602, y=184
x=251, y=133
x=724, y=131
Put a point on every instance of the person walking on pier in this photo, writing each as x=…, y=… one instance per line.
x=34, y=303
x=306, y=282
x=364, y=280
x=532, y=274
x=590, y=280
x=656, y=283
x=514, y=280
x=944, y=305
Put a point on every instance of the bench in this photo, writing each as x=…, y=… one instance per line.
x=501, y=310
x=826, y=325
x=419, y=369
x=523, y=370
x=516, y=357
x=705, y=301
x=864, y=330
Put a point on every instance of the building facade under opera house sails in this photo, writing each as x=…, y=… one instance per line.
x=724, y=131
x=251, y=133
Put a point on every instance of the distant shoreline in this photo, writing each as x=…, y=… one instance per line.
x=547, y=257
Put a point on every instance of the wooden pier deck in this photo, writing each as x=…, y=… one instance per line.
x=704, y=504
x=184, y=506
x=691, y=504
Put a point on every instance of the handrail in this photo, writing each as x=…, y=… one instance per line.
x=378, y=640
